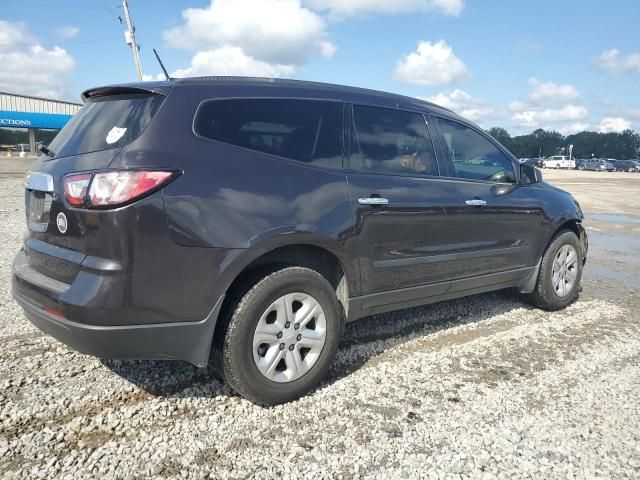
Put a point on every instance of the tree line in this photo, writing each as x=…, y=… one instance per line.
x=543, y=143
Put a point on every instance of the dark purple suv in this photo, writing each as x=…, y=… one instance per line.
x=245, y=220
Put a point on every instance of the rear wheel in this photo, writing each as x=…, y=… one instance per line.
x=282, y=336
x=560, y=273
x=581, y=167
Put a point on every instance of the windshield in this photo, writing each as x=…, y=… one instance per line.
x=105, y=123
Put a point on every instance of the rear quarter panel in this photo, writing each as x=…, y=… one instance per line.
x=233, y=198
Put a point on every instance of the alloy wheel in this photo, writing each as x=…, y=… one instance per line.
x=565, y=270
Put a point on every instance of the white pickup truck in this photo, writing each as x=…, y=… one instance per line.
x=559, y=161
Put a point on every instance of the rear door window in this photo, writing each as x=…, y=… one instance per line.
x=472, y=155
x=308, y=131
x=106, y=122
x=394, y=142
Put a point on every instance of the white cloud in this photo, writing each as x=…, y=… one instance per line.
x=613, y=124
x=463, y=104
x=150, y=78
x=228, y=60
x=349, y=8
x=550, y=106
x=327, y=49
x=279, y=32
x=537, y=117
x=67, y=32
x=612, y=61
x=431, y=64
x=571, y=128
x=552, y=92
x=14, y=34
x=29, y=68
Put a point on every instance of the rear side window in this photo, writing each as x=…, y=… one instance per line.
x=106, y=122
x=394, y=142
x=472, y=155
x=308, y=131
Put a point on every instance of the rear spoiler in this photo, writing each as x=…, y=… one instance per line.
x=124, y=90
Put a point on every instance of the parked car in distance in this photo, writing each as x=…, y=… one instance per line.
x=580, y=162
x=626, y=165
x=559, y=161
x=609, y=164
x=596, y=165
x=243, y=221
x=534, y=162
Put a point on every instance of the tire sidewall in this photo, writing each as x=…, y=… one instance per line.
x=239, y=362
x=556, y=302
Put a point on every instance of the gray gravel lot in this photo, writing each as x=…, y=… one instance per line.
x=479, y=387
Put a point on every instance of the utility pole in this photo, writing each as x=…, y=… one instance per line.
x=130, y=38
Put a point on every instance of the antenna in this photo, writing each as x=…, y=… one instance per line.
x=164, y=70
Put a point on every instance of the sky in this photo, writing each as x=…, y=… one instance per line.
x=567, y=65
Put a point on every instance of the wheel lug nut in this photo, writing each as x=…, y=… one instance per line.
x=287, y=325
x=291, y=347
x=299, y=337
x=279, y=335
x=296, y=326
x=282, y=346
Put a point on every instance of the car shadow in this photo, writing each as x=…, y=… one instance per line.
x=363, y=340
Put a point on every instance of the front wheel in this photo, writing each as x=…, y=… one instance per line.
x=560, y=273
x=282, y=336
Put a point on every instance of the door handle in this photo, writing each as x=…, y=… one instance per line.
x=373, y=201
x=476, y=202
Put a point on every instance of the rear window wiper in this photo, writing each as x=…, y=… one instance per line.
x=47, y=152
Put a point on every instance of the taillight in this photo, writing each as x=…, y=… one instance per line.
x=75, y=188
x=112, y=188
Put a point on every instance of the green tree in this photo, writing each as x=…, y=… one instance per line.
x=586, y=144
x=544, y=143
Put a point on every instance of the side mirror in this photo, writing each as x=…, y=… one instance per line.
x=529, y=174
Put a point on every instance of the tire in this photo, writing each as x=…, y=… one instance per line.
x=545, y=296
x=239, y=359
x=581, y=167
x=558, y=166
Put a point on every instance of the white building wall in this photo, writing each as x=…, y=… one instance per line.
x=21, y=103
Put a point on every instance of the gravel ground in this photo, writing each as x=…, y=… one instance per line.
x=482, y=387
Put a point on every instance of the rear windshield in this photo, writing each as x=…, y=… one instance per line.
x=105, y=123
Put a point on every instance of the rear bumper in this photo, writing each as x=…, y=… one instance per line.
x=188, y=341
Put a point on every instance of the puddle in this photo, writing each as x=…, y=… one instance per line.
x=613, y=218
x=611, y=274
x=623, y=243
